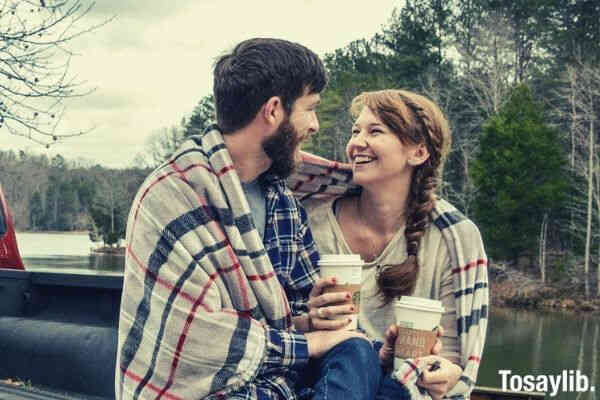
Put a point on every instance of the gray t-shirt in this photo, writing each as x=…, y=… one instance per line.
x=258, y=204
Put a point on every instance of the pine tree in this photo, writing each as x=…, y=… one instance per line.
x=202, y=116
x=520, y=173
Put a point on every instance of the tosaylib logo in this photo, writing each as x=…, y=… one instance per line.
x=568, y=381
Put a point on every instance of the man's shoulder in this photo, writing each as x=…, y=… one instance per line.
x=187, y=167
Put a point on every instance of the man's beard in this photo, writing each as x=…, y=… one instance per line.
x=281, y=149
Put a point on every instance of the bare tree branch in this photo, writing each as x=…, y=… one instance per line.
x=35, y=77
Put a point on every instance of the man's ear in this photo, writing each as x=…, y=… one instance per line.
x=272, y=111
x=418, y=155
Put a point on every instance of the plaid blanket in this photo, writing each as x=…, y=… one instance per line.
x=218, y=293
x=469, y=269
x=320, y=177
x=220, y=290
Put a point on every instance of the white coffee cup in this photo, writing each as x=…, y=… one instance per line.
x=416, y=318
x=347, y=269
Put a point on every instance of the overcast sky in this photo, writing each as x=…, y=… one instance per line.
x=152, y=63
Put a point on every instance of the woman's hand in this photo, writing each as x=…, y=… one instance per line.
x=321, y=307
x=439, y=375
x=386, y=352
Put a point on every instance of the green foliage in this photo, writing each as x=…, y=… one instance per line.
x=413, y=39
x=352, y=70
x=466, y=55
x=36, y=211
x=112, y=238
x=59, y=195
x=574, y=33
x=110, y=206
x=332, y=112
x=202, y=116
x=520, y=173
x=403, y=55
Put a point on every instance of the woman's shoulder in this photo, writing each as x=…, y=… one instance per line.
x=320, y=217
x=446, y=215
x=322, y=224
x=448, y=219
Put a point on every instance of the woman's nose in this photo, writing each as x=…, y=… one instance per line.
x=358, y=140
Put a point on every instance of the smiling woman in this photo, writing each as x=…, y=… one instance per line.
x=9, y=252
x=413, y=242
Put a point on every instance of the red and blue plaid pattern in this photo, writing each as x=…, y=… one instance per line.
x=204, y=311
x=203, y=314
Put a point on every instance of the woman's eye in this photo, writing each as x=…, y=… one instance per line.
x=355, y=132
x=376, y=132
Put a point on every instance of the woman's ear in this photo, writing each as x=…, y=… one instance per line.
x=272, y=112
x=418, y=155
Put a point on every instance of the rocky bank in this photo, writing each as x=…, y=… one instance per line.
x=512, y=288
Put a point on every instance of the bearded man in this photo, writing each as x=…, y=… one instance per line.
x=220, y=265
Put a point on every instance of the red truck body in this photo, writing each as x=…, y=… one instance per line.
x=9, y=251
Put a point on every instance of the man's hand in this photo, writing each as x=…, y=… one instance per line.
x=321, y=307
x=386, y=352
x=320, y=342
x=441, y=379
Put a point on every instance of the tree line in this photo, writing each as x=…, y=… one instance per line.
x=61, y=195
x=519, y=82
x=520, y=85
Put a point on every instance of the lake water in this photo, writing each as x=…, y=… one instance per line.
x=68, y=252
x=542, y=343
x=525, y=342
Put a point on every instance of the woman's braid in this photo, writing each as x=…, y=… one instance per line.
x=398, y=280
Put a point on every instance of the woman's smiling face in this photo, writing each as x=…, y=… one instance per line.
x=376, y=152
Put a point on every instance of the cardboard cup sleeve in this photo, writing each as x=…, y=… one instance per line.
x=413, y=343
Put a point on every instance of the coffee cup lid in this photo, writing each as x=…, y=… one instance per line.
x=341, y=259
x=420, y=303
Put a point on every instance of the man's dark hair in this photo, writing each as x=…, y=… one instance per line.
x=258, y=69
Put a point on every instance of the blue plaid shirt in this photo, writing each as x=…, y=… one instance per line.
x=293, y=253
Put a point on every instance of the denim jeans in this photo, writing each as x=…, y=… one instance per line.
x=352, y=371
x=349, y=371
x=391, y=389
